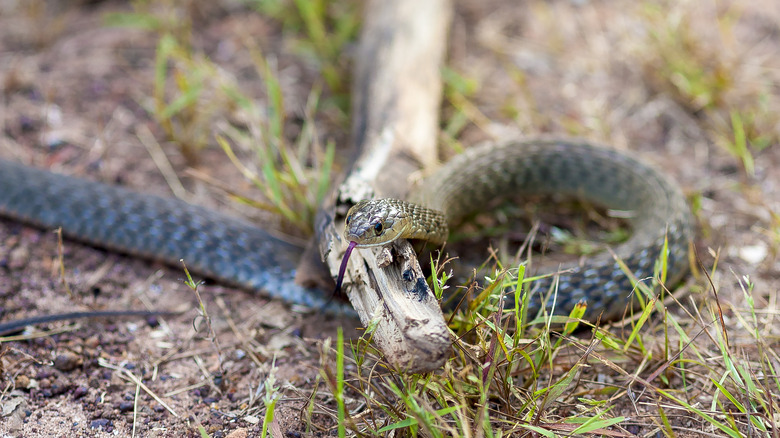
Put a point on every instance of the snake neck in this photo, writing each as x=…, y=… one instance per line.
x=429, y=224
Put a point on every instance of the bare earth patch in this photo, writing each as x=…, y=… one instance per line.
x=75, y=94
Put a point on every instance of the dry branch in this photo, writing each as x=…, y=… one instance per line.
x=396, y=96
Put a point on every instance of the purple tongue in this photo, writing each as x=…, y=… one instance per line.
x=343, y=266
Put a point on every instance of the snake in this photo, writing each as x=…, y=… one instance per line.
x=215, y=245
x=237, y=252
x=653, y=205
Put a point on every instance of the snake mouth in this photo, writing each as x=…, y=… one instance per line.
x=366, y=237
x=352, y=239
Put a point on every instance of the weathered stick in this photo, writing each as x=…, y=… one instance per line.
x=396, y=97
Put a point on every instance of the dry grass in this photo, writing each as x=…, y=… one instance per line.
x=691, y=85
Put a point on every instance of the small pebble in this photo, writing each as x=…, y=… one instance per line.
x=80, y=392
x=19, y=257
x=22, y=381
x=753, y=254
x=102, y=423
x=67, y=361
x=238, y=433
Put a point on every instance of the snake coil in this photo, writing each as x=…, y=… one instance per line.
x=239, y=253
x=654, y=207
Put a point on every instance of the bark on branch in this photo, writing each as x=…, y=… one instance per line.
x=396, y=98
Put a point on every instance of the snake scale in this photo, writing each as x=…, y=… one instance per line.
x=653, y=205
x=237, y=252
x=212, y=244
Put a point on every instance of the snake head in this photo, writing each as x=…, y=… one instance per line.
x=374, y=222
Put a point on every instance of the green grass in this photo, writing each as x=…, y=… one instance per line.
x=198, y=105
x=671, y=365
x=545, y=378
x=320, y=31
x=701, y=69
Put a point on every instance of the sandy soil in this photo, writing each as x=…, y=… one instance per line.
x=74, y=98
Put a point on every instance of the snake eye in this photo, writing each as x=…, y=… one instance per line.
x=349, y=219
x=378, y=228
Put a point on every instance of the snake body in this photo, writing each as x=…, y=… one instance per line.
x=237, y=252
x=654, y=206
x=212, y=244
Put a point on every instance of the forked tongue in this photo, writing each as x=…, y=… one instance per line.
x=343, y=267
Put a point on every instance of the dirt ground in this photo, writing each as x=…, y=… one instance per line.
x=74, y=100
